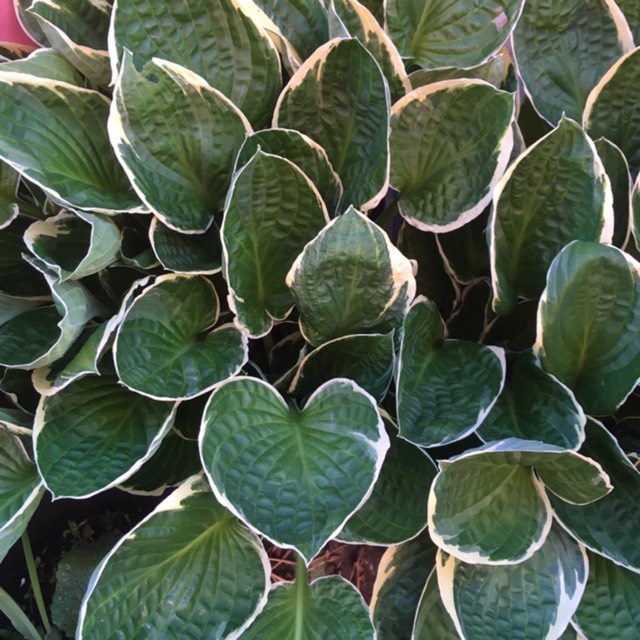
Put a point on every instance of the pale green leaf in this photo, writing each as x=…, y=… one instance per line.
x=17, y=617
x=492, y=71
x=46, y=64
x=432, y=620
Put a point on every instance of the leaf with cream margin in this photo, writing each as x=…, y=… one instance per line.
x=450, y=144
x=9, y=182
x=444, y=388
x=188, y=571
x=556, y=191
x=179, y=157
x=461, y=33
x=587, y=324
x=507, y=482
x=273, y=209
x=635, y=212
x=93, y=434
x=350, y=279
x=307, y=471
x=534, y=599
x=432, y=619
x=350, y=120
x=169, y=355
x=217, y=40
x=55, y=135
x=46, y=64
x=16, y=420
x=492, y=71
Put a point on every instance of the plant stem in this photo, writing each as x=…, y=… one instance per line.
x=35, y=583
x=302, y=592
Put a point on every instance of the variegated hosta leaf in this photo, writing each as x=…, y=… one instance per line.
x=450, y=144
x=349, y=18
x=503, y=482
x=432, y=619
x=273, y=210
x=306, y=154
x=46, y=64
x=631, y=11
x=309, y=470
x=350, y=279
x=564, y=48
x=94, y=434
x=557, y=191
x=587, y=324
x=610, y=605
x=16, y=421
x=533, y=405
x=179, y=158
x=612, y=109
x=188, y=571
x=55, y=135
x=402, y=573
x=445, y=388
x=492, y=71
x=216, y=40
x=534, y=599
x=609, y=526
x=635, y=212
x=457, y=33
x=20, y=490
x=350, y=120
x=396, y=510
x=166, y=348
x=9, y=181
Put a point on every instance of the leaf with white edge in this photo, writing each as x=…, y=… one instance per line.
x=20, y=490
x=273, y=209
x=533, y=405
x=9, y=182
x=402, y=573
x=492, y=71
x=635, y=212
x=306, y=154
x=503, y=482
x=610, y=605
x=436, y=34
x=307, y=472
x=612, y=109
x=587, y=324
x=188, y=571
x=166, y=348
x=431, y=619
x=16, y=421
x=47, y=64
x=55, y=135
x=445, y=388
x=557, y=191
x=136, y=250
x=609, y=526
x=396, y=510
x=216, y=40
x=351, y=279
x=450, y=144
x=562, y=50
x=185, y=252
x=329, y=608
x=74, y=245
x=350, y=120
x=534, y=599
x=94, y=434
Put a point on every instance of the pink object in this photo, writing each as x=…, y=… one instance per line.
x=10, y=28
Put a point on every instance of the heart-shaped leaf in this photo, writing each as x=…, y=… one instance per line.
x=432, y=619
x=188, y=570
x=307, y=471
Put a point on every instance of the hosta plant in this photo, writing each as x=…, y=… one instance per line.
x=317, y=272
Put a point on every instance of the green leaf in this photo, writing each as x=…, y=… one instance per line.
x=17, y=617
x=452, y=33
x=93, y=434
x=16, y=421
x=46, y=64
x=329, y=608
x=635, y=212
x=9, y=182
x=610, y=605
x=491, y=71
x=20, y=490
x=350, y=120
x=55, y=135
x=563, y=49
x=216, y=40
x=350, y=279
x=445, y=388
x=631, y=11
x=306, y=154
x=189, y=570
x=272, y=209
x=534, y=599
x=557, y=191
x=609, y=526
x=396, y=509
x=432, y=619
x=497, y=482
x=309, y=470
x=533, y=405
x=167, y=355
x=450, y=144
x=586, y=321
